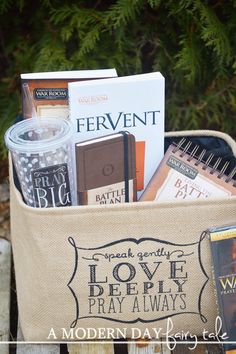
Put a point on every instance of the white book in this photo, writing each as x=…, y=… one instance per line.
x=132, y=103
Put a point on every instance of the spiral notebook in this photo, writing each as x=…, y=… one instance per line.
x=185, y=174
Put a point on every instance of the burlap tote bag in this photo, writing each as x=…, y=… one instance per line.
x=120, y=268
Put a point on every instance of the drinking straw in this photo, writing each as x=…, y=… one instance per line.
x=29, y=100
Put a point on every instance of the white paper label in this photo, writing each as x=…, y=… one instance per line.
x=112, y=194
x=178, y=186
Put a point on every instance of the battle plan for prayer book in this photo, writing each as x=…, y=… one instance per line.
x=131, y=103
x=106, y=171
x=183, y=175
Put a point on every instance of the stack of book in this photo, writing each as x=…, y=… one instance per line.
x=111, y=165
x=118, y=127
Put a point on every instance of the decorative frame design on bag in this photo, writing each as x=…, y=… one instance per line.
x=165, y=295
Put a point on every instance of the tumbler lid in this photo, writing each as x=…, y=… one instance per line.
x=38, y=134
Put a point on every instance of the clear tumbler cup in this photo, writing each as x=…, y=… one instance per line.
x=42, y=153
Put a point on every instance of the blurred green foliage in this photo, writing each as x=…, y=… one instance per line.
x=192, y=42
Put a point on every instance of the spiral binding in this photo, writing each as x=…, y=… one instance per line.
x=184, y=145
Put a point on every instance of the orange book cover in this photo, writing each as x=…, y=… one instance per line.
x=49, y=90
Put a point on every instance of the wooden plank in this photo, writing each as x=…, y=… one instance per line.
x=148, y=348
x=4, y=212
x=214, y=349
x=185, y=349
x=90, y=348
x=5, y=279
x=164, y=348
x=24, y=348
x=144, y=348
